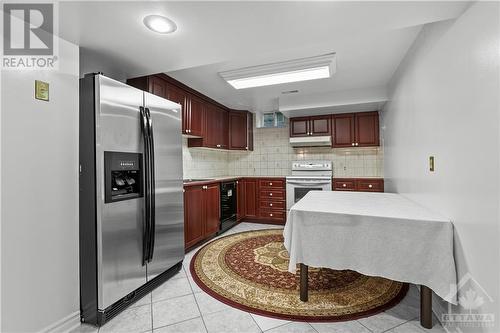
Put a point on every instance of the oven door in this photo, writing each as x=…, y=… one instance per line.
x=297, y=188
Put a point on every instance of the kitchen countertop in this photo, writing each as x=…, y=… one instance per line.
x=228, y=178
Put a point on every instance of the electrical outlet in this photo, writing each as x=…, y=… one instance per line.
x=431, y=163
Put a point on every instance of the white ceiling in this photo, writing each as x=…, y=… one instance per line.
x=369, y=38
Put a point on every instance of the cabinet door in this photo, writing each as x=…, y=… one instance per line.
x=343, y=130
x=158, y=87
x=367, y=129
x=240, y=200
x=194, y=218
x=320, y=125
x=196, y=116
x=249, y=131
x=212, y=209
x=251, y=198
x=238, y=130
x=224, y=134
x=178, y=95
x=211, y=127
x=299, y=126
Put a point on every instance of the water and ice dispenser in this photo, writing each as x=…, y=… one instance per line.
x=122, y=176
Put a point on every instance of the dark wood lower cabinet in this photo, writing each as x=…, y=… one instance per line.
x=240, y=199
x=212, y=209
x=258, y=200
x=201, y=213
x=358, y=184
x=194, y=212
x=251, y=198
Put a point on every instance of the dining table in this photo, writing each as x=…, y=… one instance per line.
x=376, y=234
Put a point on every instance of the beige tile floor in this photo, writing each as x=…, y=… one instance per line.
x=179, y=305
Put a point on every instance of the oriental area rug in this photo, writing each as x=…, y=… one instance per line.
x=249, y=271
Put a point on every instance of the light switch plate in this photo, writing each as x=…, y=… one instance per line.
x=42, y=90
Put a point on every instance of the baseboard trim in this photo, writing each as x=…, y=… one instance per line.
x=64, y=325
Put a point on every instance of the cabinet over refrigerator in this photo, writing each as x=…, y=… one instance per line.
x=131, y=201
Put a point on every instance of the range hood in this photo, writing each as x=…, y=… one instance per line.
x=311, y=141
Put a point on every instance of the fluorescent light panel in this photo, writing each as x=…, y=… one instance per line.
x=285, y=72
x=285, y=77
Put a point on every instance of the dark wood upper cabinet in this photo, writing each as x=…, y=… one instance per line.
x=158, y=87
x=343, y=130
x=356, y=129
x=367, y=129
x=299, y=126
x=320, y=125
x=310, y=126
x=179, y=96
x=196, y=116
x=206, y=122
x=240, y=130
x=215, y=129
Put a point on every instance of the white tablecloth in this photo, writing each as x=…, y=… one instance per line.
x=376, y=234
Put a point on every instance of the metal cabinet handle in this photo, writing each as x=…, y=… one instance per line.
x=344, y=185
x=353, y=144
x=271, y=204
x=270, y=194
x=357, y=144
x=271, y=215
x=218, y=146
x=370, y=186
x=270, y=184
x=246, y=148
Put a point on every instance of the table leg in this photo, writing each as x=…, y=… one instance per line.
x=303, y=283
x=425, y=307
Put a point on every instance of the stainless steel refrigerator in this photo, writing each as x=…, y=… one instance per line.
x=131, y=195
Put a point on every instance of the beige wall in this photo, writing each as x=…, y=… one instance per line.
x=272, y=156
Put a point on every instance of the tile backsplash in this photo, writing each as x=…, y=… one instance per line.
x=272, y=156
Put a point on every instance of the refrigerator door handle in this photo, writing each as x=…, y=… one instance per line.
x=147, y=193
x=151, y=186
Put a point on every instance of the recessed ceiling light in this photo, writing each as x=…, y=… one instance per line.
x=305, y=69
x=159, y=24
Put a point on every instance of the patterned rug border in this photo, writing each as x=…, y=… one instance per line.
x=402, y=293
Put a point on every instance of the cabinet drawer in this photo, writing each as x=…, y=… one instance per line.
x=270, y=204
x=370, y=185
x=271, y=183
x=344, y=185
x=272, y=194
x=272, y=215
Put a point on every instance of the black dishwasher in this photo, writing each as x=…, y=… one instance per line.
x=227, y=205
